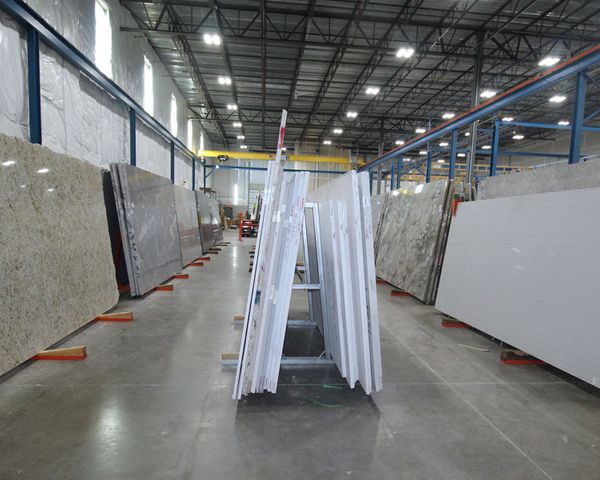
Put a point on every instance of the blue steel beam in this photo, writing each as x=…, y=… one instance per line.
x=240, y=167
x=428, y=170
x=392, y=177
x=33, y=77
x=577, y=122
x=533, y=85
x=399, y=172
x=495, y=148
x=551, y=126
x=514, y=153
x=453, y=144
x=193, y=174
x=172, y=162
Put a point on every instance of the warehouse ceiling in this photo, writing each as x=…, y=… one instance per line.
x=321, y=59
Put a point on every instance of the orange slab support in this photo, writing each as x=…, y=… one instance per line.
x=203, y=259
x=196, y=264
x=181, y=276
x=168, y=287
x=399, y=293
x=453, y=323
x=68, y=353
x=115, y=317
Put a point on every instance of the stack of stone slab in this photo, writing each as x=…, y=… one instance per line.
x=56, y=267
x=217, y=229
x=187, y=224
x=205, y=221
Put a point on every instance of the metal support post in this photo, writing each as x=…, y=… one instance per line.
x=204, y=175
x=428, y=170
x=398, y=170
x=379, y=168
x=453, y=146
x=132, y=137
x=193, y=173
x=495, y=148
x=392, y=177
x=33, y=72
x=578, y=115
x=172, y=162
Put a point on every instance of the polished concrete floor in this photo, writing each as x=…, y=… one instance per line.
x=152, y=402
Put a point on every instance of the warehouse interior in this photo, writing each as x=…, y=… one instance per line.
x=312, y=239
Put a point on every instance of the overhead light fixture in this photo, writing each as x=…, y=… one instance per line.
x=224, y=80
x=243, y=147
x=326, y=142
x=351, y=114
x=420, y=130
x=548, y=61
x=518, y=136
x=372, y=90
x=399, y=142
x=564, y=123
x=507, y=119
x=241, y=137
x=557, y=98
x=338, y=131
x=441, y=160
x=283, y=149
x=8, y=163
x=467, y=134
x=212, y=39
x=407, y=159
x=486, y=147
x=461, y=155
x=405, y=52
x=443, y=144
x=43, y=170
x=231, y=106
x=448, y=115
x=488, y=93
x=237, y=124
x=422, y=152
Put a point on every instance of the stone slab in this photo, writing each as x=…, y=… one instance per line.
x=205, y=221
x=56, y=267
x=187, y=224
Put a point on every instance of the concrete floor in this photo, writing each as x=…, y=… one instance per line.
x=152, y=402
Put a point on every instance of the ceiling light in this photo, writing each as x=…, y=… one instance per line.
x=507, y=119
x=405, y=52
x=372, y=90
x=557, y=98
x=224, y=80
x=237, y=124
x=467, y=134
x=243, y=147
x=420, y=130
x=422, y=152
x=399, y=142
x=351, y=114
x=548, y=61
x=241, y=137
x=43, y=170
x=518, y=136
x=441, y=160
x=231, y=106
x=486, y=147
x=337, y=131
x=212, y=39
x=563, y=122
x=448, y=115
x=326, y=142
x=8, y=163
x=443, y=144
x=283, y=149
x=461, y=155
x=488, y=93
x=406, y=159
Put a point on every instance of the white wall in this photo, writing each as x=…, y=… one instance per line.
x=78, y=118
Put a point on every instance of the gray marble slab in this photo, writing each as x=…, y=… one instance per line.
x=205, y=221
x=187, y=224
x=552, y=178
x=410, y=232
x=56, y=267
x=150, y=234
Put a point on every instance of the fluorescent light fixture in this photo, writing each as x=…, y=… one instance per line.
x=441, y=160
x=461, y=154
x=405, y=52
x=448, y=115
x=241, y=137
x=443, y=144
x=467, y=134
x=351, y=114
x=224, y=80
x=564, y=122
x=507, y=119
x=243, y=147
x=237, y=124
x=557, y=98
x=8, y=163
x=372, y=90
x=518, y=136
x=399, y=142
x=43, y=170
x=548, y=61
x=420, y=130
x=231, y=106
x=326, y=142
x=338, y=131
x=488, y=93
x=486, y=147
x=212, y=39
x=422, y=152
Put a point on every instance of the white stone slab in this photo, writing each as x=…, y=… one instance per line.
x=525, y=269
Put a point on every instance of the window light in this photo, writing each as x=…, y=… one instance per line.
x=173, y=115
x=103, y=45
x=557, y=98
x=148, y=86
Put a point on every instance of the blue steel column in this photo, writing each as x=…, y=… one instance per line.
x=193, y=173
x=495, y=149
x=33, y=73
x=172, y=162
x=132, y=138
x=453, y=145
x=392, y=177
x=398, y=172
x=428, y=170
x=371, y=180
x=577, y=122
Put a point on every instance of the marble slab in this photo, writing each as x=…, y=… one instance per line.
x=187, y=224
x=149, y=229
x=217, y=230
x=56, y=266
x=410, y=233
x=525, y=269
x=552, y=178
x=205, y=221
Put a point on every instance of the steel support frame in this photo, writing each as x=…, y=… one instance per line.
x=453, y=145
x=495, y=148
x=428, y=167
x=577, y=119
x=33, y=78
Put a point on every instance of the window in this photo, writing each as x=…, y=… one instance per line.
x=173, y=115
x=103, y=39
x=190, y=133
x=148, y=87
x=201, y=149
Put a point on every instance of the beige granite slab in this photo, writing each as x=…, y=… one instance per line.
x=56, y=268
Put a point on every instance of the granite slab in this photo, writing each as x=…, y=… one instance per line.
x=524, y=269
x=149, y=229
x=56, y=267
x=205, y=221
x=187, y=224
x=552, y=178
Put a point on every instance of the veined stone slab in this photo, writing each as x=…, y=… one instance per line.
x=552, y=178
x=217, y=231
x=524, y=269
x=205, y=221
x=187, y=224
x=56, y=267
